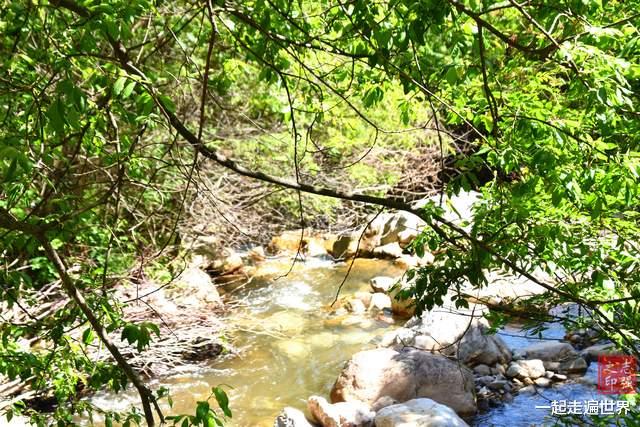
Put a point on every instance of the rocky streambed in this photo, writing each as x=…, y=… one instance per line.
x=290, y=347
x=301, y=355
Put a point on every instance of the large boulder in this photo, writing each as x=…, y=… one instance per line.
x=418, y=413
x=548, y=351
x=207, y=253
x=193, y=287
x=401, y=228
x=388, y=251
x=346, y=245
x=592, y=353
x=311, y=244
x=228, y=262
x=407, y=261
x=204, y=248
x=477, y=346
x=287, y=241
x=341, y=414
x=505, y=288
x=257, y=254
x=459, y=332
x=557, y=356
x=404, y=375
x=385, y=236
x=291, y=417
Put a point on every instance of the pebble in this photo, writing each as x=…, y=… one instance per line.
x=543, y=382
x=498, y=385
x=528, y=389
x=482, y=370
x=483, y=391
x=485, y=380
x=498, y=369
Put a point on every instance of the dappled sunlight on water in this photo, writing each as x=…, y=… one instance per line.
x=289, y=344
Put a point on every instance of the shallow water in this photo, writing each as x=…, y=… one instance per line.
x=289, y=345
x=522, y=411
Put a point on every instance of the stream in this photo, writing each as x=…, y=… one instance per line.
x=289, y=345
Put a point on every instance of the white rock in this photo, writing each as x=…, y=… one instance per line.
x=482, y=370
x=257, y=254
x=383, y=402
x=291, y=417
x=197, y=287
x=408, y=374
x=504, y=287
x=418, y=413
x=554, y=351
x=379, y=301
x=407, y=261
x=390, y=250
x=382, y=283
x=542, y=382
x=341, y=414
x=557, y=356
x=365, y=297
x=459, y=332
x=526, y=369
x=401, y=307
x=400, y=227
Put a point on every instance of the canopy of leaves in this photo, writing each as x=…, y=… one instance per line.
x=106, y=106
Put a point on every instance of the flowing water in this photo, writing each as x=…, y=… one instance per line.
x=289, y=345
x=522, y=411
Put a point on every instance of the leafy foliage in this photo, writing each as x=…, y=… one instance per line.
x=105, y=107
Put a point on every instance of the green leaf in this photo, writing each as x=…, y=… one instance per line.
x=223, y=400
x=601, y=94
x=11, y=170
x=373, y=96
x=57, y=243
x=167, y=103
x=88, y=336
x=202, y=410
x=128, y=90
x=153, y=327
x=55, y=113
x=130, y=333
x=451, y=75
x=119, y=85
